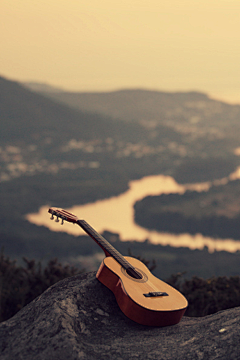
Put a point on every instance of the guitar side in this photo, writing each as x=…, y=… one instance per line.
x=164, y=310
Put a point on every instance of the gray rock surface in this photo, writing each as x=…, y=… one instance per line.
x=78, y=318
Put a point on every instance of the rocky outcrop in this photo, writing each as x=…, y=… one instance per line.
x=78, y=318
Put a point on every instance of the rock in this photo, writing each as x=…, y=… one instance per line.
x=78, y=318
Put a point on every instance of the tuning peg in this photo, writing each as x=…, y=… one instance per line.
x=52, y=217
x=57, y=219
x=62, y=222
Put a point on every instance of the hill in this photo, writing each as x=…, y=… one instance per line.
x=206, y=131
x=169, y=108
x=28, y=116
x=136, y=104
x=214, y=213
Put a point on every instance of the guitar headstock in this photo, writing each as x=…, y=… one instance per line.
x=62, y=214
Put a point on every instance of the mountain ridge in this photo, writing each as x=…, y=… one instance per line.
x=25, y=113
x=118, y=103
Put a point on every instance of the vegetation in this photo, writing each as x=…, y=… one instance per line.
x=206, y=297
x=19, y=285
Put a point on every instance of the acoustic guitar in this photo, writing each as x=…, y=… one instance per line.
x=141, y=296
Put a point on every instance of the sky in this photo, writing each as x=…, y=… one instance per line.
x=167, y=45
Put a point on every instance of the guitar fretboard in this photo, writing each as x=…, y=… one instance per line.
x=108, y=247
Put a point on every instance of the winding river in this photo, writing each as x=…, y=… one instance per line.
x=116, y=214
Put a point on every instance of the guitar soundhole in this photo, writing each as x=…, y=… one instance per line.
x=142, y=277
x=134, y=274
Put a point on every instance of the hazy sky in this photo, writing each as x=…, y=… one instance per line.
x=110, y=44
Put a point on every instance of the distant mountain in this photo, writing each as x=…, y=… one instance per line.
x=25, y=114
x=194, y=109
x=186, y=126
x=41, y=87
x=128, y=105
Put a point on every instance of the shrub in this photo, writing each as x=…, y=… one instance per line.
x=206, y=297
x=19, y=285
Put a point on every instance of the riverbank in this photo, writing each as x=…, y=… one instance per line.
x=116, y=214
x=215, y=213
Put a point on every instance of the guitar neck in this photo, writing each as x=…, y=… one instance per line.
x=104, y=244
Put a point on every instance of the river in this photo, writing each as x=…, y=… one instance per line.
x=116, y=215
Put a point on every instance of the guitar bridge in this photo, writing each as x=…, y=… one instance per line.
x=155, y=294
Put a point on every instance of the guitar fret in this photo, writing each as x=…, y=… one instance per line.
x=105, y=244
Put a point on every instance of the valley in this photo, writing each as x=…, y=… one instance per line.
x=54, y=152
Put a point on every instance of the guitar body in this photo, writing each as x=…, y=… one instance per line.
x=164, y=310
